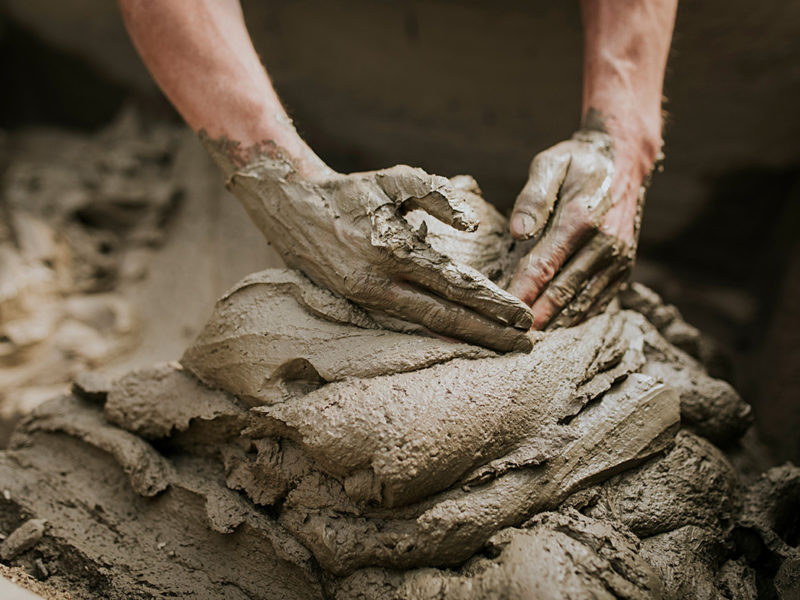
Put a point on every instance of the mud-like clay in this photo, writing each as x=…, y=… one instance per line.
x=155, y=402
x=552, y=556
x=301, y=449
x=277, y=332
x=693, y=484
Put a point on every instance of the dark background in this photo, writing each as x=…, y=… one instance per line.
x=478, y=87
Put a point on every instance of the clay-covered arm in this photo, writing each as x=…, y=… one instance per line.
x=345, y=232
x=585, y=195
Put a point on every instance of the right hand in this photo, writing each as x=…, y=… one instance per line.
x=347, y=233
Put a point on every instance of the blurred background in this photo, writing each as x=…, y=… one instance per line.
x=116, y=234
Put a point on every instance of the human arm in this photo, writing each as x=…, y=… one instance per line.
x=344, y=231
x=584, y=196
x=200, y=54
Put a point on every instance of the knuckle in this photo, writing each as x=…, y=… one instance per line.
x=577, y=211
x=580, y=217
x=559, y=294
x=354, y=285
x=541, y=270
x=531, y=198
x=551, y=157
x=393, y=171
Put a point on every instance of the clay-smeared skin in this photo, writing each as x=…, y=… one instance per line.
x=567, y=195
x=626, y=43
x=347, y=234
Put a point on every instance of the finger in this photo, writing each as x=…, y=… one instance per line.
x=606, y=297
x=566, y=232
x=537, y=199
x=572, y=278
x=446, y=318
x=466, y=183
x=414, y=188
x=595, y=296
x=463, y=285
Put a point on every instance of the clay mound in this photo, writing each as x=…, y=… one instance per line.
x=378, y=483
x=301, y=450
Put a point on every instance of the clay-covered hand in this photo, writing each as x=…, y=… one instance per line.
x=584, y=198
x=347, y=233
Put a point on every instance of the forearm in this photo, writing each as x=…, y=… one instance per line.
x=200, y=54
x=626, y=43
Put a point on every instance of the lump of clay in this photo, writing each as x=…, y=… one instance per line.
x=276, y=333
x=407, y=435
x=693, y=484
x=301, y=450
x=628, y=425
x=768, y=529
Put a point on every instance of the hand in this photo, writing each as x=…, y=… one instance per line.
x=586, y=195
x=347, y=233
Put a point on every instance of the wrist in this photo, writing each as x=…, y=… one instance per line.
x=277, y=135
x=636, y=137
x=231, y=155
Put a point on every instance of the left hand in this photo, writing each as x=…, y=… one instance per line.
x=586, y=195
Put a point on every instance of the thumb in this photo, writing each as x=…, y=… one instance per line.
x=412, y=188
x=537, y=199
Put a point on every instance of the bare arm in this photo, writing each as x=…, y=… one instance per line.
x=200, y=54
x=584, y=195
x=626, y=43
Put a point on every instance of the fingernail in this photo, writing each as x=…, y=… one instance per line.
x=523, y=344
x=524, y=320
x=522, y=225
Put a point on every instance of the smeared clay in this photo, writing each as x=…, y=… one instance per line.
x=418, y=432
x=552, y=556
x=693, y=484
x=450, y=527
x=155, y=402
x=148, y=472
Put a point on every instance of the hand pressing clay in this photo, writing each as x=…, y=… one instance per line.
x=576, y=266
x=347, y=234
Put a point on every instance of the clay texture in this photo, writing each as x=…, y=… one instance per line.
x=300, y=449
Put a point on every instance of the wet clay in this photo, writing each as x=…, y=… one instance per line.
x=303, y=449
